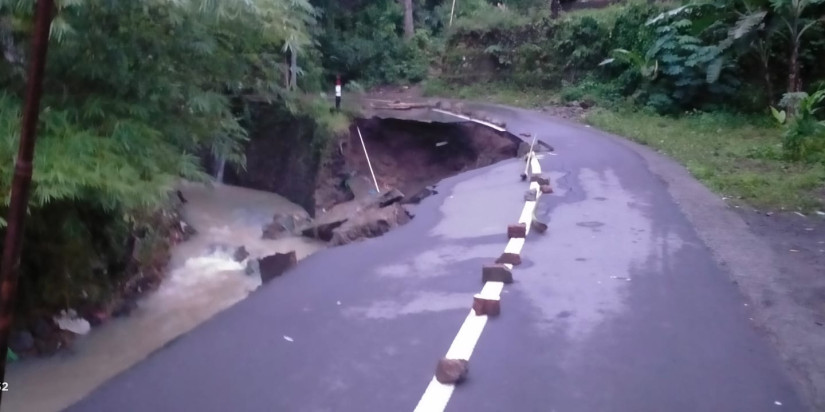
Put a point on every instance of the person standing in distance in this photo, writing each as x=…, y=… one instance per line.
x=338, y=92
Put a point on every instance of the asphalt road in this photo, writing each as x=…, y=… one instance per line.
x=620, y=306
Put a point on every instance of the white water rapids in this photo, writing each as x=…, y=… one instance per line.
x=202, y=279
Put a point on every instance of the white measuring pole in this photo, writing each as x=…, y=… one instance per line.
x=530, y=155
x=452, y=10
x=375, y=182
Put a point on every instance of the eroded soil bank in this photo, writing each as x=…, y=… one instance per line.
x=408, y=156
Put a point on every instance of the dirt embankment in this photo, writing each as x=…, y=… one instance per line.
x=409, y=156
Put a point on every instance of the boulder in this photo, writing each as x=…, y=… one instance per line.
x=125, y=308
x=323, y=231
x=240, y=254
x=275, y=265
x=451, y=370
x=47, y=347
x=284, y=225
x=370, y=223
x=43, y=328
x=21, y=341
x=252, y=267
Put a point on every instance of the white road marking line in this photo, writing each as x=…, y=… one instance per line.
x=488, y=124
x=437, y=394
x=535, y=166
x=514, y=246
x=435, y=397
x=492, y=290
x=527, y=214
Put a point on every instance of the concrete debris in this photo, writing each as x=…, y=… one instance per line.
x=370, y=223
x=276, y=265
x=323, y=231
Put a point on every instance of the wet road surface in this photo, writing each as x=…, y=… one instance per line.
x=618, y=307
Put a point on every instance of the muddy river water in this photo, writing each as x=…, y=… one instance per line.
x=202, y=279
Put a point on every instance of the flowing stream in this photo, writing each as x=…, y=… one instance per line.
x=202, y=279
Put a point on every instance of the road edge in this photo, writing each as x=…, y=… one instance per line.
x=751, y=263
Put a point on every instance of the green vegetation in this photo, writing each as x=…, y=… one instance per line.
x=695, y=80
x=141, y=93
x=137, y=94
x=739, y=157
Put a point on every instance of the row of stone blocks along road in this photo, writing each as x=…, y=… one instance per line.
x=453, y=368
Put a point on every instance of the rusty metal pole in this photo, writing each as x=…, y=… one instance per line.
x=21, y=183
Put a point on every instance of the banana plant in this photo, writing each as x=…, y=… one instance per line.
x=649, y=68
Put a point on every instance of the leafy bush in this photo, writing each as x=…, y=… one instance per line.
x=135, y=91
x=803, y=135
x=482, y=17
x=582, y=43
x=365, y=44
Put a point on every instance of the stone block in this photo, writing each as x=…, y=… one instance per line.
x=496, y=273
x=517, y=231
x=539, y=226
x=541, y=180
x=511, y=258
x=486, y=306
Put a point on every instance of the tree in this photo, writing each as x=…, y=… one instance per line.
x=792, y=14
x=409, y=26
x=137, y=92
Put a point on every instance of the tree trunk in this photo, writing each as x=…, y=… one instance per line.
x=794, y=83
x=768, y=83
x=763, y=50
x=288, y=61
x=409, y=27
x=293, y=70
x=554, y=9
